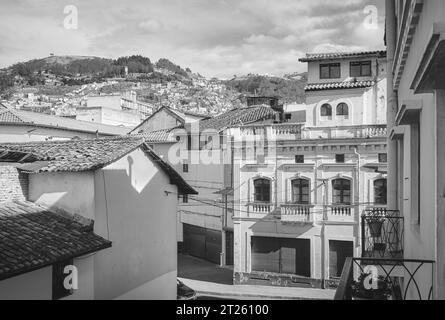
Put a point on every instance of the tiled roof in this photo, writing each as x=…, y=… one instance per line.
x=310, y=57
x=32, y=237
x=86, y=155
x=15, y=117
x=175, y=177
x=77, y=155
x=161, y=136
x=236, y=117
x=175, y=113
x=339, y=85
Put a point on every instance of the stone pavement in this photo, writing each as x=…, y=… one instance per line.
x=252, y=292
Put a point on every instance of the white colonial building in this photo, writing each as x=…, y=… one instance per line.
x=301, y=188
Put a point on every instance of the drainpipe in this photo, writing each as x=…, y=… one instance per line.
x=357, y=196
x=392, y=106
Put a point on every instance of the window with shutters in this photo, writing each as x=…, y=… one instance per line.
x=380, y=196
x=300, y=191
x=262, y=190
x=341, y=191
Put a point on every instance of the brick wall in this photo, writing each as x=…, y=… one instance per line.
x=13, y=185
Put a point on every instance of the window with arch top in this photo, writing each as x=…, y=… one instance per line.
x=342, y=109
x=300, y=191
x=341, y=191
x=262, y=190
x=326, y=110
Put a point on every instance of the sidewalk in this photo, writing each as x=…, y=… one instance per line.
x=250, y=292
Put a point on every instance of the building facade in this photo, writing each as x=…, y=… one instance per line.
x=24, y=126
x=301, y=188
x=416, y=113
x=106, y=206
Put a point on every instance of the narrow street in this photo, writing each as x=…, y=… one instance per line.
x=212, y=282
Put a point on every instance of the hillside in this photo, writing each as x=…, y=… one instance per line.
x=289, y=88
x=160, y=83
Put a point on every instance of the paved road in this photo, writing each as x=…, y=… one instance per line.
x=197, y=269
x=212, y=282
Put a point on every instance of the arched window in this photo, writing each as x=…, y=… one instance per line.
x=341, y=191
x=380, y=191
x=262, y=190
x=342, y=109
x=300, y=191
x=326, y=110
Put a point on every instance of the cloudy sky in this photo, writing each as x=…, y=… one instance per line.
x=213, y=37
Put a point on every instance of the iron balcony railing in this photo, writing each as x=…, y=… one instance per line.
x=386, y=279
x=382, y=234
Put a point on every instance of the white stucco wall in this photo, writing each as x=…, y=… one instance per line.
x=135, y=209
x=72, y=192
x=424, y=240
x=36, y=285
x=319, y=166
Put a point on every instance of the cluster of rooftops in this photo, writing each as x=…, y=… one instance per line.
x=32, y=236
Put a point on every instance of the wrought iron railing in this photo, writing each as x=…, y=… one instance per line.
x=386, y=279
x=382, y=234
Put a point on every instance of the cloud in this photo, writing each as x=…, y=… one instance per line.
x=215, y=38
x=151, y=25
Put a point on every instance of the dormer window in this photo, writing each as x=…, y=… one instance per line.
x=361, y=69
x=330, y=71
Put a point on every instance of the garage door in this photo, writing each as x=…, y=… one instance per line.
x=265, y=254
x=194, y=241
x=295, y=257
x=338, y=252
x=202, y=243
x=279, y=255
x=213, y=246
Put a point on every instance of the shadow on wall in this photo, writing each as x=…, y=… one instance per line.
x=140, y=222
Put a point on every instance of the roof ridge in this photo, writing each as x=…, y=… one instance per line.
x=111, y=138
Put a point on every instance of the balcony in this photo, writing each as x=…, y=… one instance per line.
x=260, y=208
x=339, y=213
x=386, y=279
x=298, y=131
x=297, y=213
x=382, y=234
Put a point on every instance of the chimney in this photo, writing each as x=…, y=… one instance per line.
x=13, y=184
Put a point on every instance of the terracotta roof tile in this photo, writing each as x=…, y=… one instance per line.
x=236, y=117
x=161, y=136
x=310, y=57
x=85, y=155
x=32, y=237
x=339, y=85
x=77, y=155
x=9, y=117
x=13, y=117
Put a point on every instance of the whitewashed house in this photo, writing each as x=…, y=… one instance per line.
x=107, y=206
